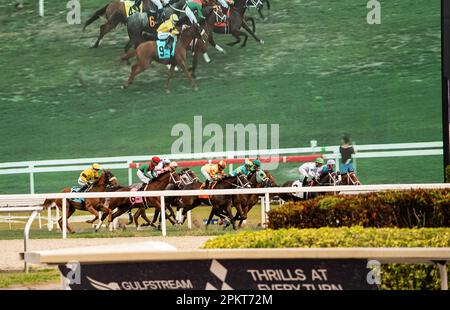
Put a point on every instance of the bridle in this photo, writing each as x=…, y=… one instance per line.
x=240, y=183
x=253, y=4
x=174, y=181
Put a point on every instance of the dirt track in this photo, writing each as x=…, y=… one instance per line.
x=10, y=249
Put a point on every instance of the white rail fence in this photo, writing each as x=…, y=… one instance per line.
x=123, y=162
x=264, y=192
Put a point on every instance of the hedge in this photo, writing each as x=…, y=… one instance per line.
x=393, y=276
x=403, y=209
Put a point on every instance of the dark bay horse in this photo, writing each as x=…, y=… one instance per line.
x=328, y=179
x=235, y=21
x=122, y=205
x=147, y=51
x=222, y=204
x=92, y=205
x=246, y=202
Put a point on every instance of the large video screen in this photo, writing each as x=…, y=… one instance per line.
x=304, y=74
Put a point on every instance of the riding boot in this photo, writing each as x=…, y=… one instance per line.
x=84, y=187
x=207, y=184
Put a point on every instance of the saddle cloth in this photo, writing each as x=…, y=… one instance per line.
x=76, y=189
x=163, y=52
x=129, y=9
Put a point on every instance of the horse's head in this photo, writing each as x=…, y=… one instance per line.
x=175, y=179
x=107, y=178
x=242, y=181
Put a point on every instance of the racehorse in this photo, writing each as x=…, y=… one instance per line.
x=147, y=51
x=235, y=20
x=124, y=204
x=328, y=179
x=246, y=202
x=349, y=178
x=187, y=203
x=221, y=204
x=92, y=205
x=142, y=26
x=115, y=14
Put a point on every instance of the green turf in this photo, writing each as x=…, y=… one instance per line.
x=13, y=278
x=322, y=71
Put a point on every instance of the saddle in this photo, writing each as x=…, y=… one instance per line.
x=77, y=189
x=165, y=49
x=203, y=187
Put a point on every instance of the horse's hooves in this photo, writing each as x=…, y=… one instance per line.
x=167, y=91
x=124, y=87
x=196, y=88
x=261, y=41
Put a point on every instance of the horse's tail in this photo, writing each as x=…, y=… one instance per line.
x=48, y=203
x=96, y=16
x=128, y=55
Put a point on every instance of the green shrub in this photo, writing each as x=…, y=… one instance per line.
x=393, y=276
x=404, y=209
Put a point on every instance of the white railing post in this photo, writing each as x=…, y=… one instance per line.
x=263, y=212
x=266, y=207
x=443, y=275
x=41, y=8
x=31, y=167
x=49, y=218
x=57, y=217
x=64, y=218
x=27, y=236
x=40, y=221
x=189, y=219
x=130, y=173
x=163, y=216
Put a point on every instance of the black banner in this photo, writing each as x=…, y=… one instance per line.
x=232, y=274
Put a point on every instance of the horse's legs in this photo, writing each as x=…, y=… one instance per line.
x=247, y=28
x=181, y=62
x=211, y=214
x=135, y=70
x=213, y=43
x=169, y=76
x=69, y=214
x=128, y=46
x=230, y=215
x=112, y=23
x=237, y=34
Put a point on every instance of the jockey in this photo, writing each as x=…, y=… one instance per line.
x=89, y=176
x=167, y=31
x=193, y=6
x=213, y=172
x=147, y=172
x=224, y=3
x=159, y=7
x=329, y=168
x=256, y=165
x=245, y=169
x=309, y=170
x=163, y=166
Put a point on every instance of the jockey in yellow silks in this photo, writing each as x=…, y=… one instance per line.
x=89, y=176
x=213, y=172
x=168, y=31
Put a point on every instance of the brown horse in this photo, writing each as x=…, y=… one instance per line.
x=147, y=51
x=246, y=202
x=123, y=204
x=92, y=205
x=328, y=179
x=222, y=204
x=235, y=21
x=115, y=14
x=349, y=178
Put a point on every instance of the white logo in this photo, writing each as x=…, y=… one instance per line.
x=220, y=272
x=104, y=286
